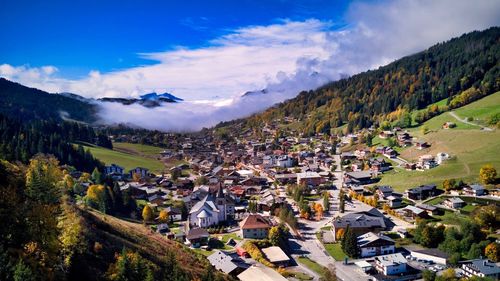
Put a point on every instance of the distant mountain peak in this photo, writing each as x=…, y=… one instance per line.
x=155, y=96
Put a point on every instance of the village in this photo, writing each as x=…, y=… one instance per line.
x=281, y=206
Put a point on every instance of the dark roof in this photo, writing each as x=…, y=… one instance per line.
x=196, y=233
x=255, y=221
x=432, y=252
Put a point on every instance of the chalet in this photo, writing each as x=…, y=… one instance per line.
x=197, y=237
x=404, y=139
x=371, y=244
x=347, y=156
x=384, y=191
x=174, y=214
x=285, y=178
x=360, y=222
x=426, y=162
x=413, y=212
x=378, y=165
x=422, y=192
x=394, y=202
x=474, y=190
x=420, y=145
x=255, y=226
x=449, y=125
x=358, y=189
x=225, y=263
x=392, y=264
x=113, y=169
x=156, y=199
x=142, y=172
x=309, y=178
x=386, y=134
x=359, y=177
x=481, y=268
x=431, y=210
x=454, y=203
x=390, y=153
x=276, y=256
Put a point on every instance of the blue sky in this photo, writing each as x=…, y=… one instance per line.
x=212, y=52
x=78, y=36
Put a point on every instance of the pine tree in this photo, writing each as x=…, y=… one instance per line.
x=23, y=273
x=349, y=243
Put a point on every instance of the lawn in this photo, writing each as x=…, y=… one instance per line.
x=470, y=149
x=312, y=265
x=138, y=149
x=335, y=250
x=125, y=159
x=480, y=110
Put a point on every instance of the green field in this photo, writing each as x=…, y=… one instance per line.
x=138, y=149
x=480, y=110
x=469, y=147
x=335, y=250
x=312, y=265
x=128, y=160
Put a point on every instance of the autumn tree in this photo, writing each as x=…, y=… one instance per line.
x=340, y=234
x=136, y=177
x=492, y=251
x=277, y=235
x=147, y=213
x=163, y=216
x=318, y=210
x=488, y=174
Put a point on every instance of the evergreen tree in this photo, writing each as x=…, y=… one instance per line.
x=349, y=243
x=96, y=176
x=23, y=273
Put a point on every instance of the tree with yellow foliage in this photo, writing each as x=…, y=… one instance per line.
x=147, y=213
x=163, y=216
x=492, y=251
x=340, y=234
x=488, y=174
x=136, y=177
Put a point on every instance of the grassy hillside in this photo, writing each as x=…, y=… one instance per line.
x=129, y=156
x=114, y=234
x=467, y=144
x=138, y=149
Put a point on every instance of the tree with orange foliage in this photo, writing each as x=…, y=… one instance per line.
x=340, y=234
x=136, y=177
x=318, y=208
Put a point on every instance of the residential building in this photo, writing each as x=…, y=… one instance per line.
x=413, y=212
x=309, y=178
x=360, y=222
x=392, y=264
x=394, y=201
x=197, y=237
x=224, y=263
x=481, y=268
x=474, y=190
x=422, y=192
x=142, y=172
x=371, y=244
x=384, y=191
x=454, y=203
x=431, y=210
x=255, y=226
x=113, y=169
x=359, y=177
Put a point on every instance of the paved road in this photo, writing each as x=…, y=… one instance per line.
x=464, y=120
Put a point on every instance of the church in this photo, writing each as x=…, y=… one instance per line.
x=213, y=209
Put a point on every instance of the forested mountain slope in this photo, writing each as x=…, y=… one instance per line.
x=462, y=70
x=24, y=103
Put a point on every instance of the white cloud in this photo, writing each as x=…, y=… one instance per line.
x=284, y=58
